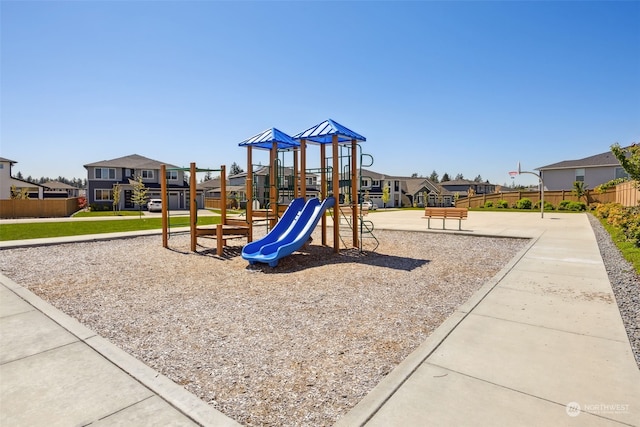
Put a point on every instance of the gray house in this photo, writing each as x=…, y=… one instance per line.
x=103, y=175
x=593, y=171
x=465, y=187
x=423, y=192
x=285, y=185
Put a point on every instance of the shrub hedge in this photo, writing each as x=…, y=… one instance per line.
x=626, y=219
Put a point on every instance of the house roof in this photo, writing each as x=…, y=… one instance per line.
x=2, y=159
x=414, y=185
x=599, y=160
x=57, y=185
x=133, y=161
x=30, y=184
x=464, y=182
x=209, y=184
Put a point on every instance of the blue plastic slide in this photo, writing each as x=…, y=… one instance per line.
x=269, y=250
x=279, y=230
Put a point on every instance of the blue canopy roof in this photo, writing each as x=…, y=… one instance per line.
x=266, y=139
x=323, y=133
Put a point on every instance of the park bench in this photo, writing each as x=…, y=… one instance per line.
x=345, y=211
x=444, y=214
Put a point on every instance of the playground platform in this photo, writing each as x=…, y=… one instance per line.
x=542, y=343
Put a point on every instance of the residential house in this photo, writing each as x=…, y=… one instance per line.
x=261, y=186
x=592, y=170
x=465, y=187
x=403, y=191
x=103, y=175
x=423, y=192
x=57, y=189
x=211, y=189
x=7, y=181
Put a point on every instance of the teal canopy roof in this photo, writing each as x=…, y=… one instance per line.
x=266, y=139
x=323, y=133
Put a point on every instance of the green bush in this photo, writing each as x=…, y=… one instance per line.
x=488, y=204
x=547, y=206
x=99, y=207
x=626, y=219
x=524, y=203
x=576, y=206
x=502, y=204
x=562, y=206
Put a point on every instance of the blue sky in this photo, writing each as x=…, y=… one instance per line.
x=457, y=87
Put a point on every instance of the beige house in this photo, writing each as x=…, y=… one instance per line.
x=35, y=191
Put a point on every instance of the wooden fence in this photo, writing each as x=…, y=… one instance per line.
x=38, y=208
x=215, y=203
x=627, y=194
x=553, y=197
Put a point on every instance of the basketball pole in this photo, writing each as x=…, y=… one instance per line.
x=539, y=176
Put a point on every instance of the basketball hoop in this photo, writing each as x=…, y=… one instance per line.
x=513, y=174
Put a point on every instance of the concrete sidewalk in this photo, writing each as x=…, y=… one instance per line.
x=56, y=372
x=540, y=344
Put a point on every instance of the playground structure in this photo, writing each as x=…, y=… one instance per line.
x=340, y=176
x=227, y=229
x=339, y=171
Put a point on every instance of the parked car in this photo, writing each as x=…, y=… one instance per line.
x=154, y=205
x=368, y=204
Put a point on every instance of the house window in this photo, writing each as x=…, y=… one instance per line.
x=375, y=183
x=103, y=195
x=579, y=174
x=366, y=182
x=105, y=173
x=312, y=181
x=172, y=175
x=621, y=173
x=147, y=174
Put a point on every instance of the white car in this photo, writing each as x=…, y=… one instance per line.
x=154, y=205
x=368, y=204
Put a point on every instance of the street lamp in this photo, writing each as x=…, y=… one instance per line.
x=539, y=176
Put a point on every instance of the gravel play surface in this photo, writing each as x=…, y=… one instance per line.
x=299, y=344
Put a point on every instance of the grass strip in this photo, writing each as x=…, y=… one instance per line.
x=39, y=230
x=90, y=214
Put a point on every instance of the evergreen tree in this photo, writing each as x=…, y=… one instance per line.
x=459, y=176
x=445, y=177
x=434, y=176
x=235, y=169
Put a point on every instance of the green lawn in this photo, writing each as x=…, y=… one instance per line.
x=89, y=214
x=36, y=230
